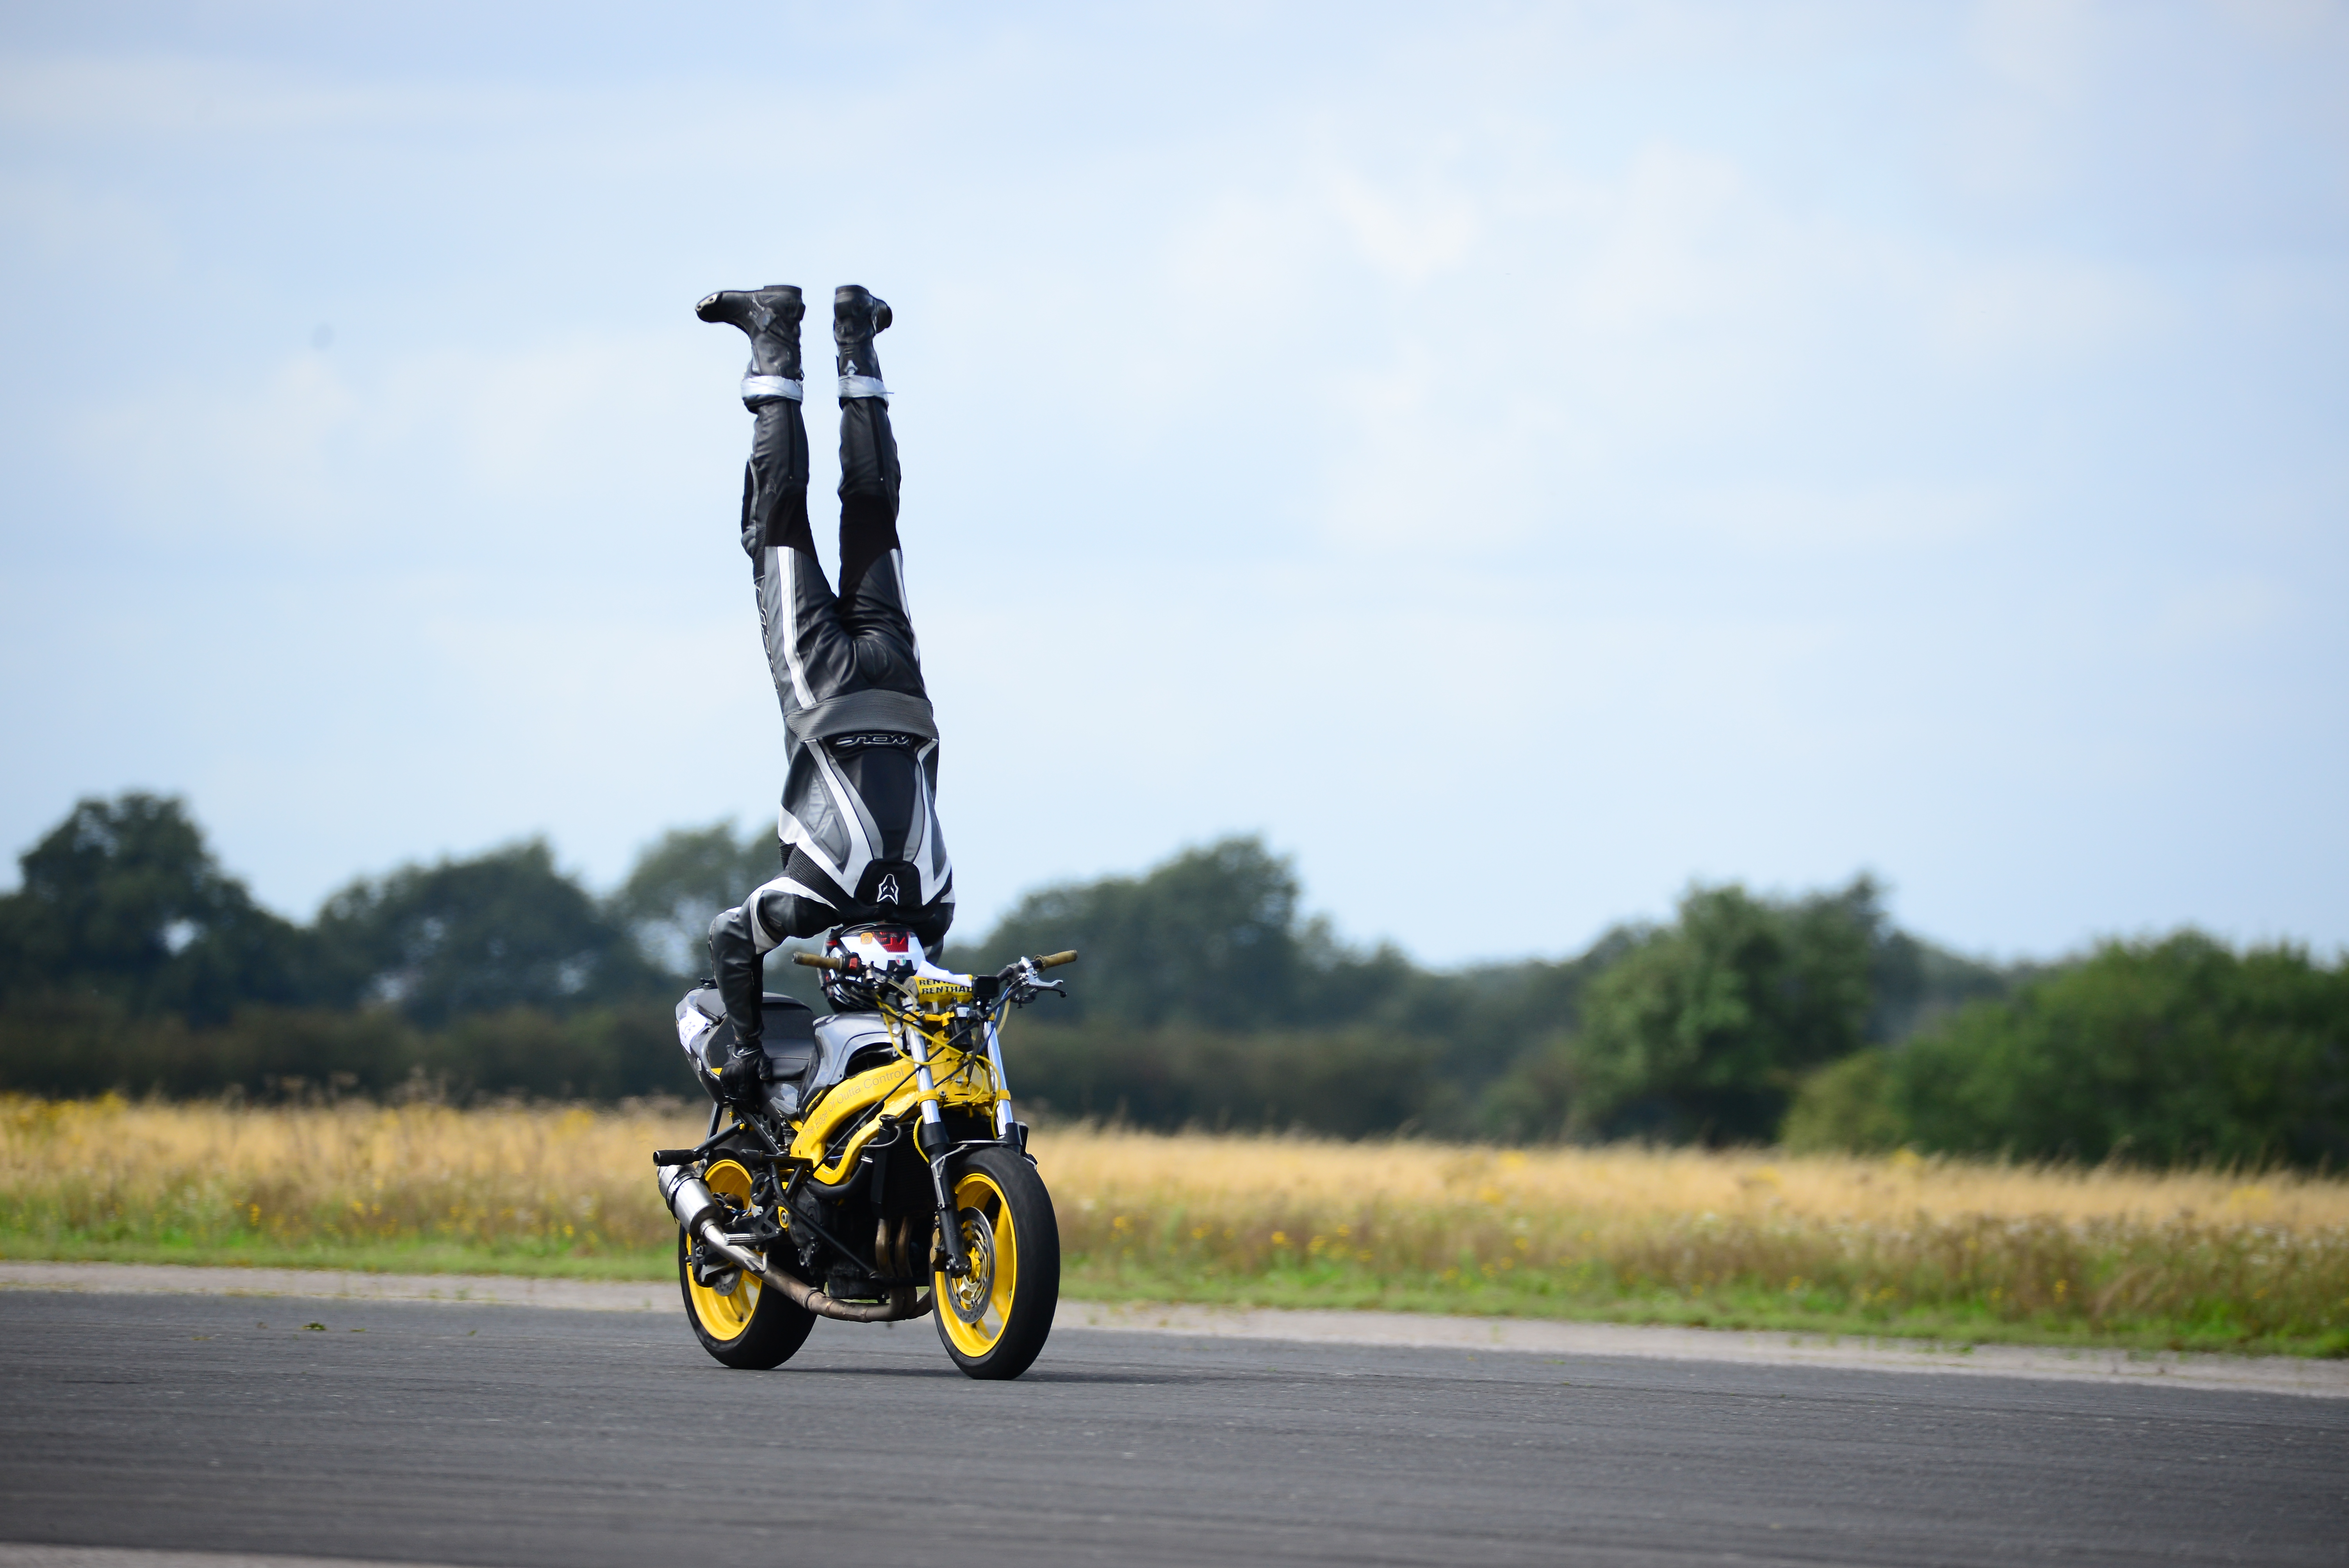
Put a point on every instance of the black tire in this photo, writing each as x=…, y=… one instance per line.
x=997, y=1322
x=751, y=1327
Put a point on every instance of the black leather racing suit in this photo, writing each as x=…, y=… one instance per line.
x=859, y=824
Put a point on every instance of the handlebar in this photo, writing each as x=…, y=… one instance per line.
x=826, y=960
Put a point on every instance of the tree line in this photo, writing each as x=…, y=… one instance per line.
x=129, y=960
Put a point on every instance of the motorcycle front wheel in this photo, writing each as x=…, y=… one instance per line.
x=994, y=1320
x=744, y=1325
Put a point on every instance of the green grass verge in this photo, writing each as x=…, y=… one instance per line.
x=1097, y=1278
x=421, y=1257
x=1723, y=1307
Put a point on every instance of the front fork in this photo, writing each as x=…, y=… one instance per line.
x=1002, y=1085
x=930, y=1138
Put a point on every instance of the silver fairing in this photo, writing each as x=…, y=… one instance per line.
x=837, y=1039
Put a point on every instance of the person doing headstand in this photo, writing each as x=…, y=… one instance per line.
x=858, y=826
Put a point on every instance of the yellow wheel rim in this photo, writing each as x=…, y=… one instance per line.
x=726, y=1316
x=974, y=1308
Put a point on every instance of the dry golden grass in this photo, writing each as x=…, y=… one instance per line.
x=527, y=1181
x=1900, y=1244
x=1632, y=1182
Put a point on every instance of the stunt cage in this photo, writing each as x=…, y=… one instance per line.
x=890, y=1119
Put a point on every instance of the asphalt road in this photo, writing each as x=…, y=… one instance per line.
x=514, y=1435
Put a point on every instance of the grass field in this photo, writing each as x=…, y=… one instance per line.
x=2206, y=1259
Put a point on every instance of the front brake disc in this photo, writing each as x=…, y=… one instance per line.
x=972, y=1292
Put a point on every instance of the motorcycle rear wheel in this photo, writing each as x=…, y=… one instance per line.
x=748, y=1326
x=994, y=1320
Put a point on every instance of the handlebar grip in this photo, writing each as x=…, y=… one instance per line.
x=1054, y=960
x=819, y=961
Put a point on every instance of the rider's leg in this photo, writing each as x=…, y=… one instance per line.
x=806, y=654
x=897, y=782
x=774, y=484
x=872, y=569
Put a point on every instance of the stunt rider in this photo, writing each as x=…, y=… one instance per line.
x=859, y=825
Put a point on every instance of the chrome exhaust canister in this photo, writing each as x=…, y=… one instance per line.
x=688, y=1197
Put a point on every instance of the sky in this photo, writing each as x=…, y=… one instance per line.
x=1522, y=461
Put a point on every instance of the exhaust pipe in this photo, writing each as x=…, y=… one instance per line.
x=697, y=1208
x=688, y=1197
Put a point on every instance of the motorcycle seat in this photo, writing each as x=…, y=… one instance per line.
x=789, y=1037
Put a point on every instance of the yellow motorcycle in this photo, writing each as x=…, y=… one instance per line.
x=872, y=1155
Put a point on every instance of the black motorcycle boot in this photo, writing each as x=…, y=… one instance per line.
x=857, y=317
x=769, y=317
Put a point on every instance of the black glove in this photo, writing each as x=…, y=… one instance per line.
x=740, y=1078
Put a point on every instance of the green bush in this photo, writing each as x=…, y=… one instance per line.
x=63, y=1045
x=1344, y=1082
x=1703, y=1029
x=1845, y=1105
x=2165, y=1052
